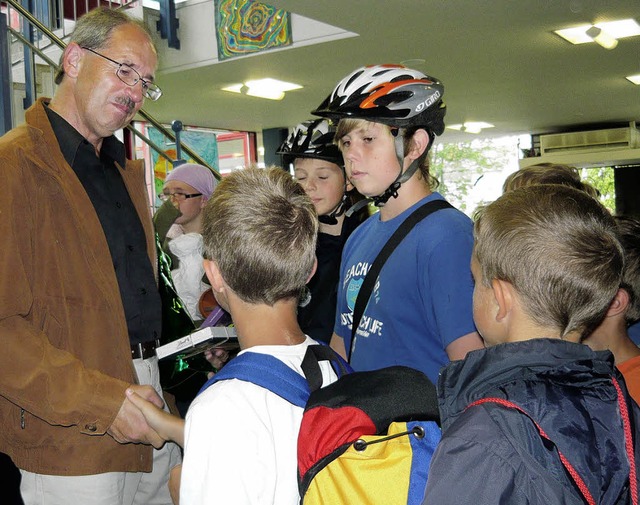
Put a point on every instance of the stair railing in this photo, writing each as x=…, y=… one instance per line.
x=142, y=113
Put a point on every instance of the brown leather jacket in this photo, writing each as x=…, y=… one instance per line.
x=65, y=359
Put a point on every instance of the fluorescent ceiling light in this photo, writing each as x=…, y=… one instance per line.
x=635, y=79
x=602, y=38
x=614, y=29
x=272, y=89
x=471, y=126
x=234, y=88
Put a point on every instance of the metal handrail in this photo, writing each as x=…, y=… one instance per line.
x=144, y=114
x=169, y=133
x=37, y=23
x=33, y=47
x=152, y=144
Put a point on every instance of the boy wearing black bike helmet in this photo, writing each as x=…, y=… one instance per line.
x=319, y=168
x=419, y=313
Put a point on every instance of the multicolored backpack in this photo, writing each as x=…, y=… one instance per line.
x=366, y=438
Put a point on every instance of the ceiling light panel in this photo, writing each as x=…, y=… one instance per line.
x=471, y=126
x=635, y=79
x=272, y=89
x=616, y=29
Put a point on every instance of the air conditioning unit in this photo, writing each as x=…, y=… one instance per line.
x=590, y=141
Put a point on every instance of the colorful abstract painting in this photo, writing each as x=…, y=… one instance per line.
x=245, y=27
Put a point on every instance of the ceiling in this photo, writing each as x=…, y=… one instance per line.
x=498, y=59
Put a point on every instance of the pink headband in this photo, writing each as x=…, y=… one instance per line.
x=197, y=176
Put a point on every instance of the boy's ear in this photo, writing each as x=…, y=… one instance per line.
x=419, y=143
x=619, y=303
x=213, y=274
x=313, y=270
x=503, y=294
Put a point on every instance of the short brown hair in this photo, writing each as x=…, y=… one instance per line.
x=629, y=233
x=261, y=228
x=346, y=126
x=94, y=29
x=558, y=247
x=548, y=173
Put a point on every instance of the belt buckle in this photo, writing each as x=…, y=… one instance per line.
x=137, y=351
x=144, y=350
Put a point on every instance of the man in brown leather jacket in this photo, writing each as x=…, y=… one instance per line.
x=79, y=306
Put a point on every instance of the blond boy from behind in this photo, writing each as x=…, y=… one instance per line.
x=547, y=263
x=624, y=310
x=240, y=440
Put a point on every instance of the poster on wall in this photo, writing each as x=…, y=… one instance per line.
x=201, y=141
x=245, y=26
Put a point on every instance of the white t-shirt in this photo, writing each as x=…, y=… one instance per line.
x=241, y=440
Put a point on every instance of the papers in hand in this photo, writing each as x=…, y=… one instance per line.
x=199, y=341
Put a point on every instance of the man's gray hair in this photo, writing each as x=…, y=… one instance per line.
x=93, y=30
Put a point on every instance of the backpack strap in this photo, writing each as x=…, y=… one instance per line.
x=372, y=275
x=268, y=372
x=626, y=424
x=311, y=368
x=582, y=487
x=628, y=442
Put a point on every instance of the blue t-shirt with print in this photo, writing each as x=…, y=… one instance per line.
x=422, y=300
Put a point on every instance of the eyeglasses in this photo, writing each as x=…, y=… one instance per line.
x=131, y=77
x=179, y=197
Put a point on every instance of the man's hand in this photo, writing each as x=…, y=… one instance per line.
x=166, y=425
x=130, y=426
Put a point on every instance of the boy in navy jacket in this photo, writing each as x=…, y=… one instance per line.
x=537, y=417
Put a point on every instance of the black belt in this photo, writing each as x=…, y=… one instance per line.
x=144, y=350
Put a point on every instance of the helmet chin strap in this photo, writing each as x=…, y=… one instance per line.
x=392, y=190
x=331, y=218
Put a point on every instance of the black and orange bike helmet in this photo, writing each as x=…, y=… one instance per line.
x=394, y=95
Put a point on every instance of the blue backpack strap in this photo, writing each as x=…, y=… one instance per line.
x=268, y=372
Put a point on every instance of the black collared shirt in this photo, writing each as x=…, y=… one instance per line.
x=103, y=183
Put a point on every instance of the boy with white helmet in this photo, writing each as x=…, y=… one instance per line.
x=420, y=310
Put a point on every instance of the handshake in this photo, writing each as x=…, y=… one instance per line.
x=142, y=418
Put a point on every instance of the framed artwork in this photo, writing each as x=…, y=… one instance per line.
x=245, y=27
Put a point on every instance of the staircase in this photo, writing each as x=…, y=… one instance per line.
x=37, y=39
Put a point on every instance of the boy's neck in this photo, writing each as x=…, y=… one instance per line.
x=612, y=336
x=332, y=229
x=519, y=326
x=410, y=193
x=261, y=324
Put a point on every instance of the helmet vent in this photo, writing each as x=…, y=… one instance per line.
x=405, y=77
x=398, y=97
